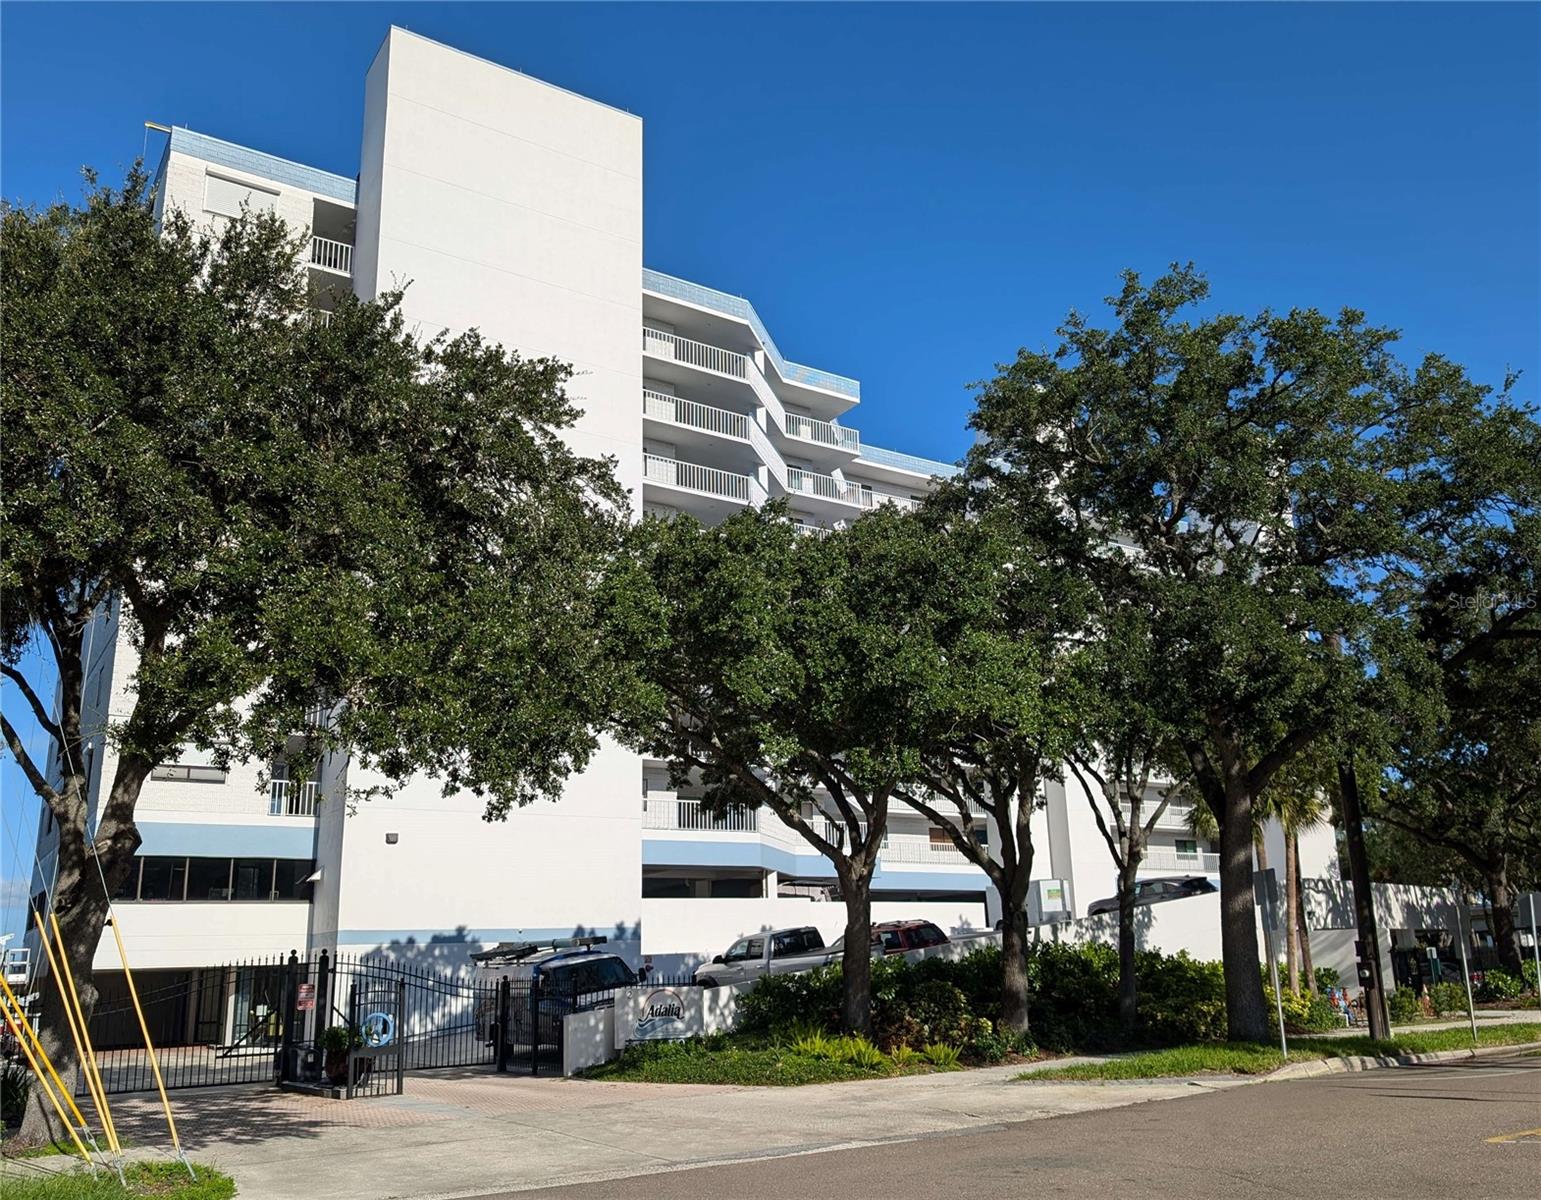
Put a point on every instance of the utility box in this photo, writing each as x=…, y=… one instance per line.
x=1046, y=902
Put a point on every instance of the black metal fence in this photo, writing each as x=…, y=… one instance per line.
x=352, y=1026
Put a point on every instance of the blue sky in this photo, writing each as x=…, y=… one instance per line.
x=909, y=193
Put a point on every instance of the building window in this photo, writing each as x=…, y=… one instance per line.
x=1187, y=847
x=163, y=879
x=188, y=773
x=176, y=878
x=226, y=196
x=208, y=879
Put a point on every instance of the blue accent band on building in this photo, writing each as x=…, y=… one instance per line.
x=267, y=166
x=227, y=841
x=737, y=306
x=657, y=852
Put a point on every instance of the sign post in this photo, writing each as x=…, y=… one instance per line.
x=1460, y=932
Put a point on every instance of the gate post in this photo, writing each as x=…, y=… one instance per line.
x=401, y=1034
x=352, y=1026
x=287, y=1038
x=323, y=997
x=535, y=1024
x=501, y=1030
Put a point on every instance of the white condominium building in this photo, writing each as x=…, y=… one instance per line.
x=515, y=207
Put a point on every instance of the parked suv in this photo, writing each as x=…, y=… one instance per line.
x=557, y=978
x=773, y=953
x=895, y=937
x=1155, y=891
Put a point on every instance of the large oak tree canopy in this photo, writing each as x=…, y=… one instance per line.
x=283, y=514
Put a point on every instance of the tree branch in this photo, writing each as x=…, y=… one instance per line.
x=40, y=785
x=38, y=711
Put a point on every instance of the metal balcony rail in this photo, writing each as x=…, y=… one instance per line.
x=1175, y=817
x=825, y=433
x=318, y=316
x=678, y=411
x=672, y=472
x=289, y=799
x=695, y=354
x=1171, y=860
x=871, y=499
x=920, y=850
x=662, y=811
x=331, y=255
x=808, y=530
x=811, y=483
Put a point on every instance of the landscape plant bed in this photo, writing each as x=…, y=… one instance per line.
x=754, y=1061
x=161, y=1180
x=1256, y=1058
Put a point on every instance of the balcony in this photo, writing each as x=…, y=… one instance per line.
x=827, y=487
x=823, y=433
x=690, y=477
x=677, y=411
x=1176, y=816
x=898, y=848
x=286, y=798
x=664, y=811
x=674, y=348
x=331, y=255
x=870, y=500
x=1170, y=861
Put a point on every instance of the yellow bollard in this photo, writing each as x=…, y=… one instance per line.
x=69, y=1014
x=85, y=1037
x=42, y=1054
x=42, y=1080
x=149, y=1046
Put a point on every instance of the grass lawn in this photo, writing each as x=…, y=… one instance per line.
x=162, y=1180
x=1251, y=1058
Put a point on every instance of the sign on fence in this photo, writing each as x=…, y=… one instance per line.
x=305, y=998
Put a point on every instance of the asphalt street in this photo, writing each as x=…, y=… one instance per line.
x=1466, y=1129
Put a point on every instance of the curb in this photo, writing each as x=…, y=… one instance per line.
x=1371, y=1062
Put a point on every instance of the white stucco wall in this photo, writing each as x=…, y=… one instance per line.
x=194, y=934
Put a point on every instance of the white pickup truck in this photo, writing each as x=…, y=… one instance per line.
x=776, y=952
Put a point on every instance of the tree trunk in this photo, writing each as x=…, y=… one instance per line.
x=1013, y=968
x=1128, y=984
x=1291, y=930
x=1246, y=1009
x=856, y=964
x=1506, y=934
x=1303, y=929
x=80, y=901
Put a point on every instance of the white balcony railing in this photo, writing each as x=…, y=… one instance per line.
x=811, y=483
x=678, y=411
x=672, y=472
x=1188, y=864
x=695, y=354
x=825, y=433
x=318, y=316
x=901, y=849
x=1176, y=816
x=810, y=530
x=331, y=255
x=286, y=798
x=871, y=499
x=663, y=811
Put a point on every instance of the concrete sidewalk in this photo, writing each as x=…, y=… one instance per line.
x=472, y=1132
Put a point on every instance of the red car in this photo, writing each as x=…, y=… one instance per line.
x=898, y=936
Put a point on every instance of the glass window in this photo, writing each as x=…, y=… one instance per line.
x=1187, y=846
x=289, y=878
x=737, y=951
x=208, y=879
x=253, y=878
x=163, y=878
x=188, y=773
x=892, y=940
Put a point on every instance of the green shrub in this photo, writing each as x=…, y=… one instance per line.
x=1448, y=997
x=942, y=1057
x=1305, y=1013
x=1529, y=973
x=15, y=1085
x=1404, y=1005
x=1180, y=999
x=986, y=1044
x=904, y=1056
x=862, y=1053
x=1499, y=985
x=1327, y=978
